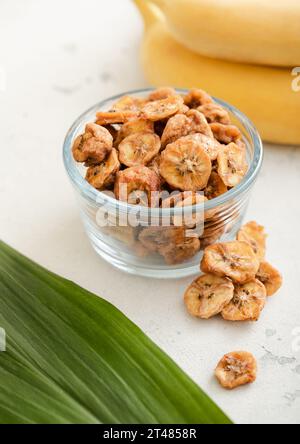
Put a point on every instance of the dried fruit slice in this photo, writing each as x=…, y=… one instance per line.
x=235, y=369
x=215, y=113
x=232, y=164
x=102, y=176
x=139, y=149
x=156, y=238
x=254, y=235
x=128, y=103
x=178, y=253
x=233, y=259
x=161, y=109
x=113, y=117
x=270, y=277
x=198, y=123
x=210, y=145
x=215, y=187
x=133, y=127
x=225, y=133
x=185, y=165
x=154, y=166
x=197, y=97
x=248, y=301
x=92, y=146
x=138, y=186
x=207, y=295
x=161, y=93
x=189, y=219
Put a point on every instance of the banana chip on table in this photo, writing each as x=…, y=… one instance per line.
x=248, y=301
x=270, y=277
x=254, y=234
x=235, y=260
x=185, y=165
x=235, y=369
x=207, y=295
x=139, y=149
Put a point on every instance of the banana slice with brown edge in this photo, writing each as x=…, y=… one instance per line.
x=161, y=109
x=185, y=165
x=210, y=145
x=161, y=93
x=139, y=149
x=197, y=97
x=254, y=234
x=92, y=146
x=207, y=295
x=182, y=125
x=128, y=103
x=270, y=277
x=248, y=301
x=215, y=187
x=133, y=127
x=236, y=260
x=236, y=369
x=125, y=109
x=155, y=238
x=215, y=113
x=178, y=253
x=138, y=186
x=225, y=133
x=189, y=220
x=232, y=164
x=103, y=176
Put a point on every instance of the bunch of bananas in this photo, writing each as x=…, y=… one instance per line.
x=242, y=52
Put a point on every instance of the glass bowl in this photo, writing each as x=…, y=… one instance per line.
x=115, y=228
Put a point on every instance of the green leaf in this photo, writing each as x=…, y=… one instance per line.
x=72, y=357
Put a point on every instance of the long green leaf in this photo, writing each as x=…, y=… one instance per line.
x=74, y=358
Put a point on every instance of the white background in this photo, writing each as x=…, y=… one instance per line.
x=59, y=58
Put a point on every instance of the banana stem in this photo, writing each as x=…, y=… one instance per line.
x=149, y=11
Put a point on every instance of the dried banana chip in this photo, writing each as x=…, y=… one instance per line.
x=198, y=123
x=154, y=166
x=254, y=235
x=232, y=164
x=215, y=187
x=178, y=253
x=225, y=133
x=139, y=149
x=115, y=117
x=232, y=259
x=185, y=165
x=156, y=238
x=92, y=146
x=128, y=103
x=162, y=93
x=133, y=127
x=235, y=369
x=190, y=219
x=248, y=301
x=137, y=185
x=207, y=295
x=197, y=97
x=103, y=176
x=161, y=109
x=210, y=145
x=215, y=113
x=270, y=277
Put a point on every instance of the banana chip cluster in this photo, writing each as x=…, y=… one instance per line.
x=164, y=141
x=236, y=279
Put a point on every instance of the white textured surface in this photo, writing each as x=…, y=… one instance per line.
x=60, y=57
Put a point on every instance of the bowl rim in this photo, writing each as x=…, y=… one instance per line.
x=97, y=196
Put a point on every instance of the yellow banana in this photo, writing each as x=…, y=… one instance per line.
x=264, y=94
x=264, y=32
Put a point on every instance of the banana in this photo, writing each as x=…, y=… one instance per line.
x=214, y=113
x=215, y=186
x=235, y=260
x=139, y=149
x=225, y=133
x=248, y=301
x=254, y=235
x=207, y=295
x=156, y=238
x=264, y=94
x=93, y=146
x=232, y=164
x=185, y=165
x=265, y=32
x=178, y=253
x=270, y=277
x=156, y=110
x=102, y=176
x=235, y=369
x=133, y=127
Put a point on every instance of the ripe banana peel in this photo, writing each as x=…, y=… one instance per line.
x=264, y=32
x=264, y=94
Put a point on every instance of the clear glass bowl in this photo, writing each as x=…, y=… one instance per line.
x=120, y=245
